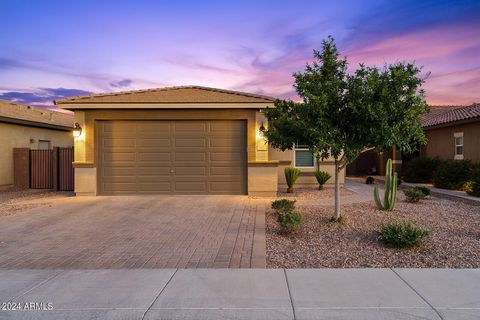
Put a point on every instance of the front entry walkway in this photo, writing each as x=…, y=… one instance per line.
x=136, y=232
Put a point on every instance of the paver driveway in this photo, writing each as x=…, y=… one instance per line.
x=137, y=232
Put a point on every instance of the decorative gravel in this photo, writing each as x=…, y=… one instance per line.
x=454, y=241
x=13, y=201
x=309, y=193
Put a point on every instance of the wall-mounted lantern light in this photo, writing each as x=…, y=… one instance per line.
x=262, y=127
x=77, y=130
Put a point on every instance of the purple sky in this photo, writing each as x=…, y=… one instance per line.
x=54, y=49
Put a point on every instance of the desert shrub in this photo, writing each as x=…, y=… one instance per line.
x=474, y=189
x=419, y=170
x=283, y=205
x=452, y=174
x=291, y=175
x=289, y=221
x=402, y=234
x=369, y=180
x=413, y=195
x=322, y=177
x=424, y=190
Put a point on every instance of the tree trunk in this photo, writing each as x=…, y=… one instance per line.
x=337, y=191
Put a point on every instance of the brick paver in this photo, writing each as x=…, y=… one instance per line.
x=137, y=232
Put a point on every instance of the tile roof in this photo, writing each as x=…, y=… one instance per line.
x=16, y=111
x=182, y=94
x=451, y=114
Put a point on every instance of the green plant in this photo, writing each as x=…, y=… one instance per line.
x=291, y=175
x=452, y=174
x=340, y=219
x=420, y=170
x=283, y=205
x=344, y=114
x=402, y=234
x=390, y=196
x=322, y=177
x=289, y=221
x=424, y=190
x=413, y=195
x=369, y=180
x=474, y=189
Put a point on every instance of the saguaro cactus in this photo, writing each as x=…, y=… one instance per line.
x=390, y=197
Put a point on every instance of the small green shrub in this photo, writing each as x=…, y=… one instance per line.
x=424, y=190
x=420, y=170
x=402, y=234
x=283, y=205
x=413, y=195
x=474, y=185
x=291, y=175
x=322, y=177
x=333, y=219
x=452, y=174
x=289, y=221
x=369, y=180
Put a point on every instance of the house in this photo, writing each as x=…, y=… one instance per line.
x=453, y=134
x=23, y=126
x=179, y=140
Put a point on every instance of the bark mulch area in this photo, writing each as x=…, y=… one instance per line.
x=454, y=241
x=13, y=201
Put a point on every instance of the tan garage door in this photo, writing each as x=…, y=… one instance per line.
x=172, y=157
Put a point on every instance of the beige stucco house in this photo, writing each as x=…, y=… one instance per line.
x=179, y=140
x=23, y=126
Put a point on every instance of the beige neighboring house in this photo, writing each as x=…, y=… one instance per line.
x=453, y=133
x=23, y=126
x=179, y=140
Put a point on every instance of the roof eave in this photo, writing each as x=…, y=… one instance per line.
x=148, y=105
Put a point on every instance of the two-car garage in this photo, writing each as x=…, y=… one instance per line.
x=172, y=157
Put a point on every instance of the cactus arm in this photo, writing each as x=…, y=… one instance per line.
x=393, y=198
x=376, y=198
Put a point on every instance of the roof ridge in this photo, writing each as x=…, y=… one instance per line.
x=117, y=93
x=40, y=109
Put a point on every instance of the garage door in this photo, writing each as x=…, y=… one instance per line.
x=172, y=157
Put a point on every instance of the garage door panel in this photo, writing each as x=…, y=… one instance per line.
x=119, y=171
x=119, y=156
x=153, y=171
x=154, y=156
x=191, y=143
x=190, y=186
x=190, y=156
x=119, y=143
x=156, y=143
x=184, y=157
x=155, y=186
x=190, y=171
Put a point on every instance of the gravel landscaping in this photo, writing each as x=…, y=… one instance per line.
x=454, y=241
x=13, y=201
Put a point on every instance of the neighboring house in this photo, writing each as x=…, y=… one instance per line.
x=179, y=140
x=453, y=134
x=23, y=126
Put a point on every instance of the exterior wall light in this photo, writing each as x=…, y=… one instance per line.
x=262, y=127
x=77, y=130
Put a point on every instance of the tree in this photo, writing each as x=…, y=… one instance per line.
x=343, y=115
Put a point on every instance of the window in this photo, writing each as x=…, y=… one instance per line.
x=303, y=157
x=43, y=144
x=458, y=145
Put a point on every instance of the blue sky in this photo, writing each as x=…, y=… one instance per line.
x=54, y=49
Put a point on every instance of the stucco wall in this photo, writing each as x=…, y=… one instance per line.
x=18, y=136
x=441, y=142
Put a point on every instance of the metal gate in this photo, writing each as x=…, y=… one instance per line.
x=52, y=169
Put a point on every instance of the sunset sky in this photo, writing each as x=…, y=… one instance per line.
x=54, y=49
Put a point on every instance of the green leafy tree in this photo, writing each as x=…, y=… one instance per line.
x=343, y=115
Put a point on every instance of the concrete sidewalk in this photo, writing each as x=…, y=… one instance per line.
x=243, y=294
